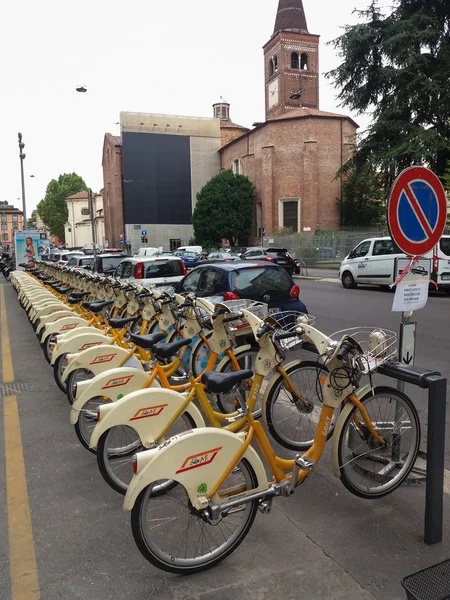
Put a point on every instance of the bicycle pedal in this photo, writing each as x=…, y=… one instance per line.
x=305, y=463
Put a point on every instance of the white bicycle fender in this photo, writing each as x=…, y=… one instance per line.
x=196, y=459
x=62, y=326
x=147, y=411
x=98, y=359
x=53, y=318
x=77, y=343
x=50, y=309
x=338, y=429
x=112, y=384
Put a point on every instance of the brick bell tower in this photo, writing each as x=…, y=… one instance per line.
x=291, y=62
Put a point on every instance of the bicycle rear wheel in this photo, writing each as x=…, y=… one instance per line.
x=291, y=422
x=75, y=377
x=117, y=446
x=175, y=537
x=367, y=468
x=87, y=420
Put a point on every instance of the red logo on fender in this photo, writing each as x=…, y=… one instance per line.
x=150, y=411
x=199, y=460
x=103, y=359
x=117, y=382
x=71, y=326
x=86, y=346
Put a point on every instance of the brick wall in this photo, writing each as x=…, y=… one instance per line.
x=295, y=158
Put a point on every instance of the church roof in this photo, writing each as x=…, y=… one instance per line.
x=290, y=15
x=78, y=196
x=303, y=112
x=225, y=124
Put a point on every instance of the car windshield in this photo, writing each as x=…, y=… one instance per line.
x=189, y=255
x=445, y=246
x=259, y=280
x=109, y=263
x=276, y=252
x=170, y=268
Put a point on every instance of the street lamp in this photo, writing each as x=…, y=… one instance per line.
x=22, y=158
x=81, y=88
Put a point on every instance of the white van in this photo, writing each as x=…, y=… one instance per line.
x=196, y=249
x=373, y=262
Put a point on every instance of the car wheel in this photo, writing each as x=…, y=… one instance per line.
x=347, y=280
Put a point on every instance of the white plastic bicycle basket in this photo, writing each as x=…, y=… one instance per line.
x=259, y=309
x=288, y=320
x=378, y=345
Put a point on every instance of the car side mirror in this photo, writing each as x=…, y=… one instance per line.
x=352, y=254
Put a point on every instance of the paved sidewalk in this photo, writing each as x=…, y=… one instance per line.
x=314, y=273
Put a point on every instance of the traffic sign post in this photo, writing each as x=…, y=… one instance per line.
x=417, y=213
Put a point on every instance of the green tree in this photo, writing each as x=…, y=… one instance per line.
x=363, y=203
x=446, y=178
x=53, y=209
x=397, y=66
x=224, y=209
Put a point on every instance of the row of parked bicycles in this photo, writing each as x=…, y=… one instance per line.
x=180, y=400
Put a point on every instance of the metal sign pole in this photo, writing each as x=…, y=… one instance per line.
x=91, y=212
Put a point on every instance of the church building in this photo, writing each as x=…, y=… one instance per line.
x=293, y=157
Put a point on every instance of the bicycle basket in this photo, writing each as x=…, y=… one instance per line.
x=257, y=308
x=432, y=583
x=287, y=321
x=378, y=345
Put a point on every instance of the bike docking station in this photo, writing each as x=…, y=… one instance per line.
x=417, y=211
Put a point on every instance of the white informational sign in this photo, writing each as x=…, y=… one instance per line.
x=411, y=293
x=421, y=267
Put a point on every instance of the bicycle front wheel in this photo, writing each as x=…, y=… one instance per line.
x=87, y=420
x=293, y=421
x=175, y=537
x=368, y=468
x=75, y=377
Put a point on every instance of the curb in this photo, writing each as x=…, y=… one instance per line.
x=316, y=278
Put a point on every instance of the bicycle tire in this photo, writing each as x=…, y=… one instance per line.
x=45, y=345
x=71, y=381
x=87, y=420
x=58, y=372
x=184, y=566
x=115, y=481
x=304, y=428
x=365, y=453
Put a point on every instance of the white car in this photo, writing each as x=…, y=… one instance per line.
x=62, y=257
x=151, y=270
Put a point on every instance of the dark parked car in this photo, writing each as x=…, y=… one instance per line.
x=106, y=263
x=279, y=256
x=264, y=282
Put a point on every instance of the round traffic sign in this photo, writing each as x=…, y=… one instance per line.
x=144, y=232
x=417, y=211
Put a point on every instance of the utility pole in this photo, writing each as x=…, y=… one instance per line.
x=91, y=212
x=22, y=158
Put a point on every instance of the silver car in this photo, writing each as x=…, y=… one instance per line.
x=151, y=270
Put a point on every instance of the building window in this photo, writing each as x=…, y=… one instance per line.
x=4, y=226
x=85, y=211
x=273, y=65
x=295, y=61
x=15, y=217
x=174, y=244
x=237, y=167
x=304, y=62
x=289, y=214
x=4, y=218
x=5, y=237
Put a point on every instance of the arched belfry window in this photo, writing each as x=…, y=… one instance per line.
x=295, y=62
x=273, y=65
x=304, y=62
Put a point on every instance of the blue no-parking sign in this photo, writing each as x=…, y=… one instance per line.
x=417, y=211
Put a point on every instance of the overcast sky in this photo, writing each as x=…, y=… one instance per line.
x=174, y=57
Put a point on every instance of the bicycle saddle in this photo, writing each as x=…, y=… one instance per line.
x=79, y=295
x=169, y=350
x=217, y=383
x=119, y=323
x=63, y=290
x=96, y=307
x=147, y=341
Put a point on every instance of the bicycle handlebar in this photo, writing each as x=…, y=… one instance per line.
x=345, y=349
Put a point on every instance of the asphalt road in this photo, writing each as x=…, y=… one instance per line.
x=321, y=544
